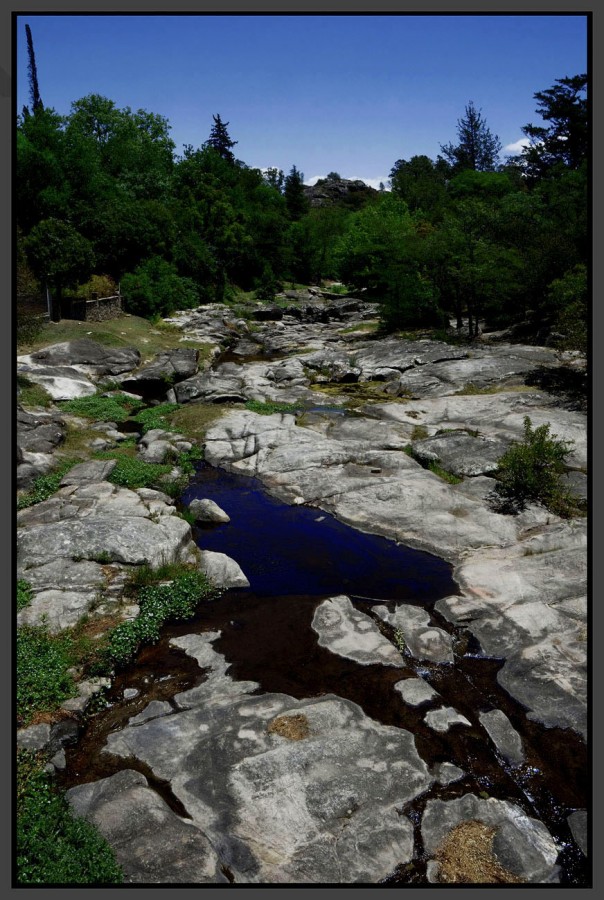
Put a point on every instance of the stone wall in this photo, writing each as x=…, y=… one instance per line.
x=99, y=309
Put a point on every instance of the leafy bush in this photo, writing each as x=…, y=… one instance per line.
x=103, y=285
x=156, y=289
x=24, y=594
x=116, y=408
x=43, y=680
x=53, y=846
x=45, y=485
x=531, y=470
x=569, y=297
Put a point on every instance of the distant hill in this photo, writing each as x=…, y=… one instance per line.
x=339, y=192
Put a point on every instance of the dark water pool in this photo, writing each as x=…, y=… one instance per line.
x=300, y=550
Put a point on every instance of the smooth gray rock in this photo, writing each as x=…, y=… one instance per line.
x=462, y=453
x=208, y=511
x=534, y=850
x=222, y=571
x=447, y=773
x=319, y=809
x=152, y=844
x=95, y=358
x=442, y=719
x=504, y=736
x=90, y=472
x=39, y=432
x=156, y=451
x=415, y=691
x=167, y=367
x=34, y=737
x=352, y=634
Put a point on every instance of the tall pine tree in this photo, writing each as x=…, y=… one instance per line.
x=34, y=92
x=220, y=140
x=478, y=148
x=295, y=198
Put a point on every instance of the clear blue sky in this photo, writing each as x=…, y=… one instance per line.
x=345, y=93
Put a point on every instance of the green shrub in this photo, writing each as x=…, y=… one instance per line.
x=53, y=846
x=530, y=472
x=156, y=289
x=43, y=680
x=24, y=594
x=45, y=485
x=116, y=408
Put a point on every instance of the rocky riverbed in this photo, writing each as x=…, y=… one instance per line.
x=245, y=773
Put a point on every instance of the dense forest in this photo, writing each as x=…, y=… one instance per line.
x=101, y=197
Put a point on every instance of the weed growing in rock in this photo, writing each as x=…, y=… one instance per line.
x=156, y=417
x=158, y=603
x=53, y=846
x=530, y=471
x=270, y=406
x=432, y=466
x=116, y=408
x=45, y=485
x=24, y=594
x=419, y=433
x=43, y=680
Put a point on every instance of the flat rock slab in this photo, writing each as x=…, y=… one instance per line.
x=301, y=791
x=503, y=734
x=522, y=845
x=415, y=691
x=352, y=634
x=151, y=843
x=95, y=358
x=462, y=453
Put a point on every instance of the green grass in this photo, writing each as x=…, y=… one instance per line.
x=471, y=389
x=269, y=407
x=24, y=594
x=116, y=408
x=433, y=467
x=43, y=680
x=45, y=485
x=53, y=847
x=419, y=433
x=157, y=417
x=32, y=394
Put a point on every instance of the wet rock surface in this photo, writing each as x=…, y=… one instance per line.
x=230, y=781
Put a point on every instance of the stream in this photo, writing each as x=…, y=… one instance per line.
x=295, y=557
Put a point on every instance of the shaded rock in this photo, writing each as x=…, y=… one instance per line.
x=151, y=843
x=39, y=432
x=60, y=609
x=34, y=737
x=504, y=736
x=86, y=691
x=461, y=453
x=211, y=387
x=578, y=824
x=164, y=370
x=208, y=511
x=352, y=634
x=447, y=773
x=222, y=571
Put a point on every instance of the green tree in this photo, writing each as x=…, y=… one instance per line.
x=220, y=140
x=34, y=91
x=421, y=183
x=477, y=147
x=60, y=256
x=565, y=140
x=295, y=199
x=155, y=289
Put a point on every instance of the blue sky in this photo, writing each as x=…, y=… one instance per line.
x=345, y=93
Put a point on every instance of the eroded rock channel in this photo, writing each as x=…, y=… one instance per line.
x=398, y=661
